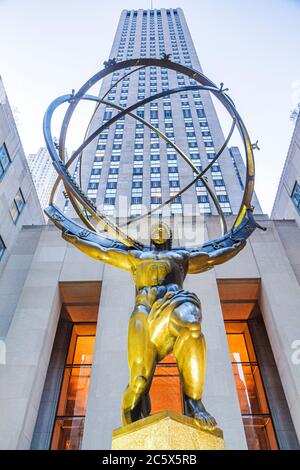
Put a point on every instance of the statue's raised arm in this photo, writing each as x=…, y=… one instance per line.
x=219, y=251
x=92, y=244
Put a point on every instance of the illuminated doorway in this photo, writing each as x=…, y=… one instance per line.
x=258, y=423
x=239, y=301
x=71, y=410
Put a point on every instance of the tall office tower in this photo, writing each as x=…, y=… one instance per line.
x=130, y=160
x=287, y=201
x=19, y=204
x=43, y=174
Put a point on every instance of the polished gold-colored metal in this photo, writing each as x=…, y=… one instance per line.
x=167, y=430
x=160, y=233
x=166, y=318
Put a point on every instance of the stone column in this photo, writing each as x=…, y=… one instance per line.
x=110, y=370
x=280, y=307
x=220, y=396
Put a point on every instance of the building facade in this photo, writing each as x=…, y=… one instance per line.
x=19, y=203
x=65, y=367
x=43, y=174
x=287, y=201
x=66, y=344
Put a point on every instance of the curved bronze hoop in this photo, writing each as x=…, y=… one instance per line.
x=178, y=150
x=74, y=192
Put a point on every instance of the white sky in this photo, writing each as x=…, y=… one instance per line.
x=49, y=47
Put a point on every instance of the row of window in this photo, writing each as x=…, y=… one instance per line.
x=296, y=196
x=172, y=170
x=172, y=163
x=138, y=163
x=151, y=35
x=17, y=206
x=174, y=44
x=218, y=181
x=19, y=201
x=150, y=13
x=111, y=187
x=236, y=170
x=4, y=160
x=2, y=247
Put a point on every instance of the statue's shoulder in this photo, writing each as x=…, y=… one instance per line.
x=181, y=252
x=137, y=254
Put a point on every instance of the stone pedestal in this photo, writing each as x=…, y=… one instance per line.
x=167, y=430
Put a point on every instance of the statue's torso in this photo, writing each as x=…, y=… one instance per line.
x=159, y=268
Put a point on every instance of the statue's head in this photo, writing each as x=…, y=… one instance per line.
x=161, y=236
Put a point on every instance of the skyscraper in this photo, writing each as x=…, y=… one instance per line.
x=43, y=174
x=129, y=160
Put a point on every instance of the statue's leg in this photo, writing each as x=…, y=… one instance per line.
x=141, y=360
x=190, y=353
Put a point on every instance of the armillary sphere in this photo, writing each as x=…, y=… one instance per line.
x=87, y=211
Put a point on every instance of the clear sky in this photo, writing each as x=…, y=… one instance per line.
x=49, y=47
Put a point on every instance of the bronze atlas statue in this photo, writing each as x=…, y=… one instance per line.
x=166, y=317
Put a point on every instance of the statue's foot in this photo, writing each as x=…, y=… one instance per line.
x=197, y=411
x=131, y=415
x=127, y=406
x=141, y=409
x=205, y=420
x=126, y=417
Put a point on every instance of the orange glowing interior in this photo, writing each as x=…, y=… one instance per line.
x=69, y=423
x=253, y=403
x=165, y=392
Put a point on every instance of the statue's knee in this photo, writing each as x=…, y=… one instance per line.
x=186, y=322
x=187, y=313
x=189, y=331
x=194, y=329
x=140, y=309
